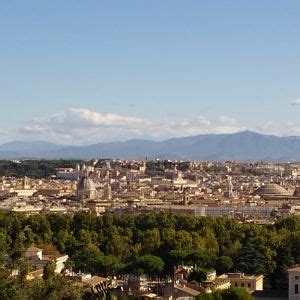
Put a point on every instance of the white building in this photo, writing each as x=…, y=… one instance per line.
x=294, y=283
x=36, y=257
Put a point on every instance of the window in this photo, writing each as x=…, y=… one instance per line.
x=242, y=285
x=249, y=285
x=235, y=284
x=296, y=289
x=296, y=277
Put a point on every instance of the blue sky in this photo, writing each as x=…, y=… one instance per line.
x=89, y=71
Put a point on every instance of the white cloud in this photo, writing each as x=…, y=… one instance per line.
x=80, y=125
x=227, y=120
x=296, y=102
x=4, y=135
x=225, y=124
x=83, y=126
x=83, y=117
x=280, y=128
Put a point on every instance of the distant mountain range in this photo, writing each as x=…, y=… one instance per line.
x=242, y=146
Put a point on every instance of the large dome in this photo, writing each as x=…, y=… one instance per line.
x=271, y=189
x=86, y=184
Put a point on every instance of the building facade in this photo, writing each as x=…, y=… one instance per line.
x=294, y=283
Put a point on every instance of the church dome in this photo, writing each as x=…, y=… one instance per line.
x=271, y=189
x=86, y=184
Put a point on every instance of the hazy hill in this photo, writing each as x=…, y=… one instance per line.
x=245, y=146
x=20, y=149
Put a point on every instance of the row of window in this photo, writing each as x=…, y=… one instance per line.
x=242, y=284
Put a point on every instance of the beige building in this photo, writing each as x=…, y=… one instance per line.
x=26, y=190
x=97, y=207
x=294, y=283
x=250, y=282
x=214, y=283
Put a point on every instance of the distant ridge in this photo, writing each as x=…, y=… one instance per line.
x=241, y=146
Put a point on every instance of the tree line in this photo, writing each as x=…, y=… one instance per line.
x=153, y=243
x=34, y=168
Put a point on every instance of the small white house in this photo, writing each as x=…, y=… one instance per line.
x=294, y=283
x=36, y=257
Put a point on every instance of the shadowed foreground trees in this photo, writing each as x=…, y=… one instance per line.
x=230, y=294
x=37, y=289
x=153, y=243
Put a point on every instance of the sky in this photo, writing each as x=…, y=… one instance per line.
x=82, y=72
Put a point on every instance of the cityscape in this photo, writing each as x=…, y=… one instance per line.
x=178, y=205
x=149, y=150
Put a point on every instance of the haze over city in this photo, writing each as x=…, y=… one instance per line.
x=78, y=74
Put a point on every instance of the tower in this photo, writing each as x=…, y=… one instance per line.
x=25, y=183
x=186, y=197
x=230, y=187
x=107, y=192
x=77, y=171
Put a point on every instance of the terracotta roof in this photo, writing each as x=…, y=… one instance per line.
x=187, y=290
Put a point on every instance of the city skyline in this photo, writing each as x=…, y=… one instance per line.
x=113, y=71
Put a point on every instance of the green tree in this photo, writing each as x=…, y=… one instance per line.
x=151, y=240
x=230, y=294
x=198, y=275
x=183, y=240
x=251, y=260
x=148, y=264
x=49, y=270
x=285, y=260
x=223, y=264
x=117, y=245
x=236, y=294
